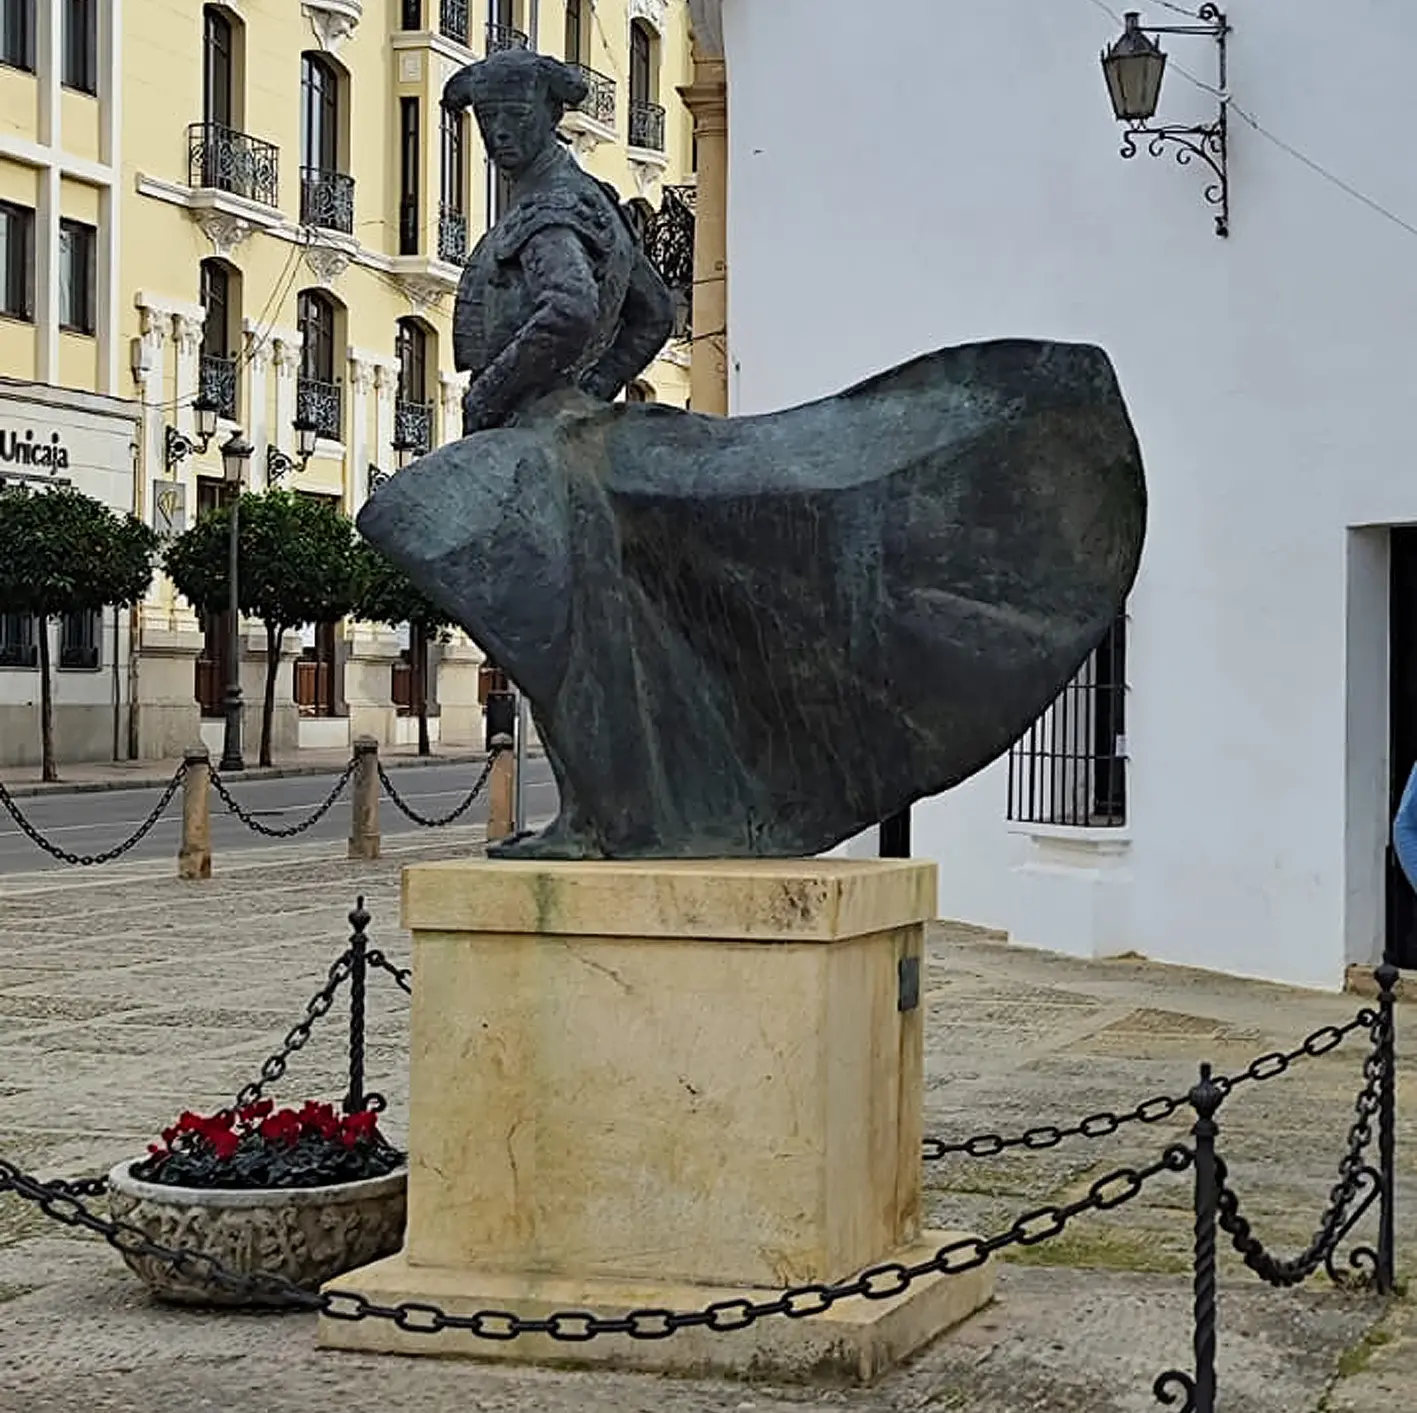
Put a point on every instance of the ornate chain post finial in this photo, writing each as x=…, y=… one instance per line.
x=1385, y=1276
x=1199, y=1391
x=355, y=1100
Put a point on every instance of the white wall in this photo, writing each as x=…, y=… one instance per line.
x=939, y=171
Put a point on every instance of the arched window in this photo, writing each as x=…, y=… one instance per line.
x=413, y=408
x=319, y=397
x=218, y=68
x=326, y=192
x=219, y=293
x=646, y=115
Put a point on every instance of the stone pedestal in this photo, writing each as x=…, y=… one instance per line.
x=663, y=1085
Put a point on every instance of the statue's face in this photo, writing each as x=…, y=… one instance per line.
x=513, y=132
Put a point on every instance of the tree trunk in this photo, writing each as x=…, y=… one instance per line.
x=48, y=769
x=420, y=686
x=274, y=638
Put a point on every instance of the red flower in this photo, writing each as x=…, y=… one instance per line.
x=283, y=1126
x=258, y=1110
x=224, y=1144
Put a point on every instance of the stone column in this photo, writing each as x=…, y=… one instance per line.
x=451, y=387
x=286, y=357
x=361, y=384
x=386, y=381
x=707, y=99
x=257, y=410
x=186, y=343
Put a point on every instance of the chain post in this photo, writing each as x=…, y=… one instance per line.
x=354, y=1101
x=1206, y=1099
x=1385, y=1277
x=364, y=800
x=502, y=788
x=194, y=855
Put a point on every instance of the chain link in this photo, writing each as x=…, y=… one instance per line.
x=118, y=850
x=403, y=976
x=456, y=813
x=1154, y=1110
x=288, y=831
x=1347, y=1200
x=299, y=1034
x=881, y=1282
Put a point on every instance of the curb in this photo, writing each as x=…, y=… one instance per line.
x=259, y=772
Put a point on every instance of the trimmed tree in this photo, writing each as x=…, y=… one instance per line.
x=295, y=565
x=64, y=552
x=385, y=594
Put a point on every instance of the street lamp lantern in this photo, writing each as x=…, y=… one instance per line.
x=307, y=433
x=403, y=450
x=205, y=410
x=236, y=451
x=1134, y=67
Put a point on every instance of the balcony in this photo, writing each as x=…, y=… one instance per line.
x=321, y=403
x=216, y=381
x=501, y=37
x=452, y=21
x=222, y=159
x=599, y=104
x=413, y=425
x=327, y=200
x=669, y=244
x=646, y=126
x=452, y=235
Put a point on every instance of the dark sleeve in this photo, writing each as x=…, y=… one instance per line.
x=567, y=308
x=646, y=321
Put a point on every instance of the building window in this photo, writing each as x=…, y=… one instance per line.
x=17, y=34
x=412, y=14
x=646, y=115
x=409, y=156
x=452, y=208
x=413, y=409
x=574, y=31
x=1070, y=767
x=217, y=69
x=318, y=397
x=16, y=261
x=502, y=29
x=326, y=193
x=17, y=641
x=76, y=277
x=80, y=635
x=217, y=373
x=80, y=69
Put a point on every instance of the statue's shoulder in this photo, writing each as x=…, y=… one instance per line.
x=581, y=203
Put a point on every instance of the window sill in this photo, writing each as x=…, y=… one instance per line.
x=1098, y=838
x=17, y=68
x=8, y=317
x=80, y=89
x=76, y=331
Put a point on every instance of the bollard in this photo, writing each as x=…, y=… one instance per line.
x=501, y=789
x=364, y=800
x=356, y=1099
x=194, y=854
x=1205, y=1098
x=1387, y=977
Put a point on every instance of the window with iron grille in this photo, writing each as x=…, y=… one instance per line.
x=409, y=156
x=80, y=635
x=16, y=261
x=218, y=69
x=77, y=245
x=1070, y=766
x=80, y=67
x=18, y=647
x=17, y=34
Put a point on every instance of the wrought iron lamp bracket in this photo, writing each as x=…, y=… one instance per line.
x=178, y=446
x=377, y=477
x=278, y=463
x=1210, y=141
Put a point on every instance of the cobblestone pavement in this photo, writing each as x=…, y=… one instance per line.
x=126, y=995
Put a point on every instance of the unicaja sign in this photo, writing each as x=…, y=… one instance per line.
x=26, y=451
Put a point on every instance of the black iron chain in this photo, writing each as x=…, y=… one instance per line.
x=881, y=1282
x=1156, y=1109
x=1347, y=1199
x=403, y=976
x=454, y=814
x=79, y=1187
x=118, y=850
x=288, y=831
x=299, y=1034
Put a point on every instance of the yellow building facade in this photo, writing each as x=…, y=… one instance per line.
x=265, y=209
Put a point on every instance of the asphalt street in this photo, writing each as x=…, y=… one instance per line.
x=94, y=822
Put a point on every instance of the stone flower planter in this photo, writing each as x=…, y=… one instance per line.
x=307, y=1234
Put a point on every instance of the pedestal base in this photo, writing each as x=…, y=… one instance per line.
x=853, y=1343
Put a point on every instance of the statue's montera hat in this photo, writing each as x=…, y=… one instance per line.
x=515, y=75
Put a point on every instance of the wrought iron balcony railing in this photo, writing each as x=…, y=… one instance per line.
x=505, y=37
x=413, y=425
x=222, y=159
x=647, y=126
x=452, y=20
x=327, y=200
x=216, y=381
x=452, y=235
x=321, y=403
x=599, y=104
x=669, y=243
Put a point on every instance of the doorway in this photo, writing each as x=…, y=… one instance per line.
x=1401, y=929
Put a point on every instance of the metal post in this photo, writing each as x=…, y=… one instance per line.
x=358, y=947
x=501, y=792
x=895, y=836
x=364, y=800
x=231, y=738
x=194, y=854
x=1386, y=1273
x=1205, y=1098
x=519, y=822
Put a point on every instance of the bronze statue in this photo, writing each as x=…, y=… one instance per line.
x=746, y=636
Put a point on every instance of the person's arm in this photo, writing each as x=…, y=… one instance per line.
x=549, y=344
x=646, y=321
x=1404, y=829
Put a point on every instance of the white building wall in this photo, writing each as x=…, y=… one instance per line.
x=953, y=175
